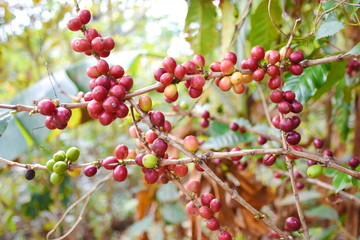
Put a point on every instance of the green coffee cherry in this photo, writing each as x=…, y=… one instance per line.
x=72, y=154
x=59, y=156
x=50, y=164
x=314, y=171
x=56, y=178
x=60, y=167
x=149, y=161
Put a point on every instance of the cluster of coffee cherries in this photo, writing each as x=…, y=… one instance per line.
x=209, y=206
x=205, y=119
x=93, y=41
x=60, y=163
x=108, y=85
x=172, y=73
x=57, y=117
x=234, y=80
x=352, y=68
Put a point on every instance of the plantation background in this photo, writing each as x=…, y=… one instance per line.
x=36, y=61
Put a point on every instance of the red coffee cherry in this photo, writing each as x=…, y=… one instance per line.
x=120, y=173
x=46, y=107
x=74, y=24
x=292, y=223
x=84, y=15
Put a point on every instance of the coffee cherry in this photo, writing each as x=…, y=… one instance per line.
x=181, y=170
x=258, y=74
x=120, y=173
x=275, y=82
x=74, y=24
x=59, y=156
x=286, y=125
x=111, y=104
x=95, y=108
x=84, y=15
x=284, y=107
x=60, y=167
x=102, y=66
x=215, y=67
x=49, y=122
x=197, y=82
x=167, y=126
x=169, y=64
x=116, y=71
x=195, y=93
x=122, y=111
x=276, y=96
x=252, y=64
x=163, y=179
x=119, y=92
x=157, y=118
x=170, y=91
x=166, y=78
x=91, y=33
x=192, y=209
x=225, y=84
x=110, y=163
x=213, y=224
x=151, y=176
x=138, y=159
x=199, y=60
x=354, y=162
x=46, y=107
x=215, y=205
x=296, y=57
x=90, y=171
x=150, y=136
x=72, y=154
x=293, y=138
x=296, y=121
x=62, y=115
x=103, y=81
x=296, y=107
x=261, y=140
x=99, y=93
x=179, y=72
x=289, y=96
x=244, y=64
x=296, y=69
x=191, y=143
x=30, y=174
x=258, y=53
x=93, y=72
x=206, y=198
x=292, y=223
x=314, y=171
x=106, y=118
x=49, y=164
x=224, y=235
x=277, y=175
x=204, y=123
x=98, y=44
x=56, y=178
x=227, y=67
x=269, y=159
x=234, y=126
x=127, y=82
x=236, y=78
x=273, y=70
x=121, y=151
x=190, y=67
x=205, y=114
x=328, y=152
x=273, y=57
x=193, y=186
x=318, y=143
x=239, y=88
x=109, y=45
x=311, y=162
x=205, y=212
x=149, y=161
x=299, y=185
x=236, y=158
x=286, y=54
x=159, y=147
x=74, y=172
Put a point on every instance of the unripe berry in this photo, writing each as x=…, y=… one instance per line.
x=145, y=103
x=191, y=143
x=227, y=67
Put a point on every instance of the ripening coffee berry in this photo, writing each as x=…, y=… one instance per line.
x=215, y=205
x=314, y=171
x=199, y=60
x=213, y=224
x=225, y=84
x=354, y=162
x=231, y=57
x=181, y=170
x=292, y=223
x=205, y=212
x=236, y=78
x=318, y=143
x=30, y=174
x=74, y=24
x=227, y=67
x=120, y=173
x=121, y=151
x=273, y=57
x=286, y=54
x=90, y=171
x=192, y=209
x=110, y=163
x=258, y=53
x=215, y=67
x=151, y=176
x=179, y=72
x=145, y=103
x=252, y=64
x=169, y=64
x=170, y=91
x=206, y=198
x=193, y=186
x=191, y=143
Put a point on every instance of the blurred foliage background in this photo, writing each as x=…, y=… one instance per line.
x=36, y=61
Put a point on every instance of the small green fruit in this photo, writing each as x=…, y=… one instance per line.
x=59, y=156
x=56, y=178
x=72, y=154
x=49, y=164
x=184, y=105
x=314, y=171
x=149, y=161
x=60, y=167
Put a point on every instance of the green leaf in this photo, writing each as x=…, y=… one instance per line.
x=262, y=31
x=167, y=193
x=355, y=182
x=322, y=212
x=341, y=181
x=200, y=25
x=4, y=121
x=336, y=74
x=355, y=49
x=217, y=128
x=174, y=213
x=342, y=120
x=308, y=82
x=228, y=139
x=328, y=28
x=228, y=18
x=320, y=233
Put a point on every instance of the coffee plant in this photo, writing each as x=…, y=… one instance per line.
x=253, y=135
